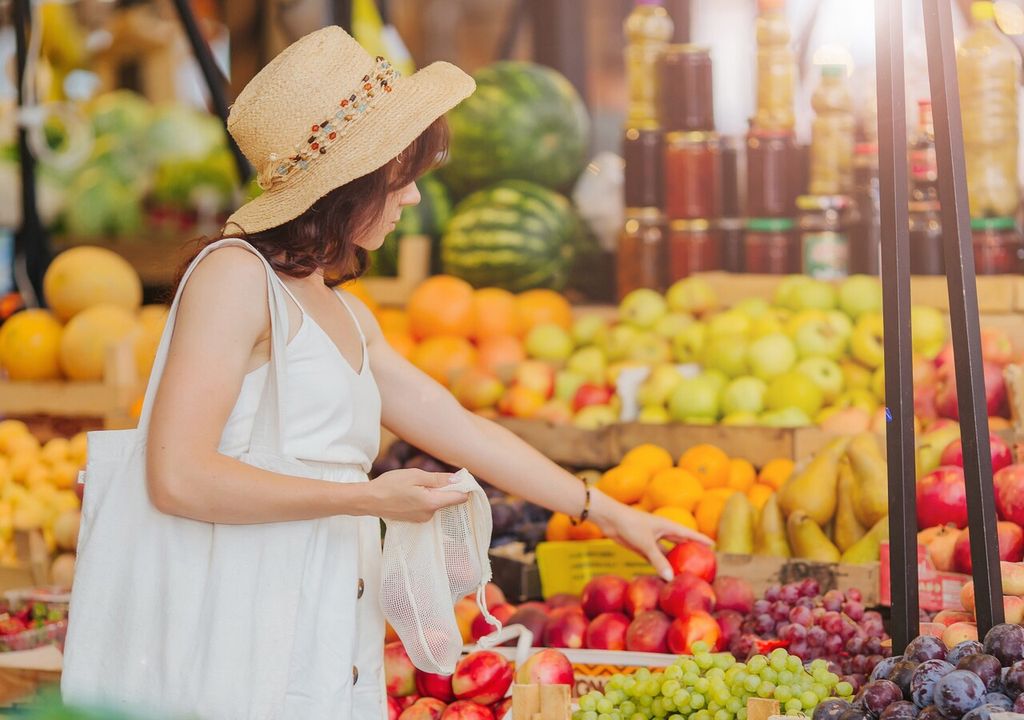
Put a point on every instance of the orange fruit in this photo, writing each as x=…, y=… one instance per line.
x=758, y=495
x=673, y=487
x=586, y=530
x=393, y=320
x=709, y=510
x=558, y=527
x=521, y=402
x=501, y=354
x=401, y=342
x=441, y=305
x=540, y=307
x=776, y=472
x=678, y=515
x=742, y=474
x=708, y=463
x=649, y=456
x=494, y=314
x=625, y=483
x=30, y=346
x=443, y=356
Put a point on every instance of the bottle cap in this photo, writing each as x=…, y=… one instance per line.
x=993, y=223
x=924, y=103
x=982, y=10
x=770, y=224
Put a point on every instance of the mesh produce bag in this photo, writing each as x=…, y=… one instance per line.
x=427, y=567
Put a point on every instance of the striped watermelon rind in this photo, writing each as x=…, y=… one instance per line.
x=524, y=121
x=515, y=235
x=428, y=218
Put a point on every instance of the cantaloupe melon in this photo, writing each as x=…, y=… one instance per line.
x=152, y=319
x=88, y=338
x=30, y=345
x=85, y=276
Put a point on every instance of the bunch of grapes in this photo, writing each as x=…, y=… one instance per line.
x=715, y=686
x=834, y=627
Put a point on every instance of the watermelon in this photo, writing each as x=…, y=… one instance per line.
x=428, y=218
x=515, y=235
x=524, y=122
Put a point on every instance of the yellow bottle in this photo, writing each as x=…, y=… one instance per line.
x=776, y=68
x=648, y=30
x=832, y=134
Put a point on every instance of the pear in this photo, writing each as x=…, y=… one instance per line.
x=659, y=385
x=848, y=529
x=770, y=531
x=871, y=498
x=808, y=540
x=865, y=550
x=931, y=445
x=736, y=526
x=813, y=490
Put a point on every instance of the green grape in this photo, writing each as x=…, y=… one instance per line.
x=703, y=660
x=578, y=715
x=794, y=706
x=673, y=672
x=643, y=675
x=757, y=663
x=627, y=708
x=734, y=705
x=669, y=703
x=844, y=689
x=700, y=647
x=690, y=678
x=725, y=660
x=831, y=679
x=819, y=664
x=689, y=666
x=658, y=707
x=702, y=685
x=766, y=689
x=713, y=707
x=639, y=716
x=786, y=677
x=732, y=672
x=588, y=702
x=723, y=715
x=604, y=705
x=715, y=673
x=701, y=715
x=644, y=701
x=751, y=683
x=808, y=699
x=820, y=690
x=615, y=696
x=793, y=664
x=783, y=693
x=676, y=716
x=616, y=715
x=697, y=701
x=628, y=684
x=682, y=699
x=770, y=674
x=721, y=695
x=670, y=687
x=652, y=688
x=777, y=663
x=741, y=714
x=604, y=716
x=741, y=677
x=589, y=715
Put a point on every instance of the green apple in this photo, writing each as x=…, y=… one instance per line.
x=794, y=389
x=567, y=382
x=548, y=342
x=825, y=413
x=672, y=324
x=688, y=344
x=726, y=353
x=744, y=395
x=590, y=330
x=790, y=417
x=927, y=331
x=785, y=291
x=717, y=378
x=811, y=295
x=771, y=355
x=643, y=308
x=855, y=375
x=878, y=383
x=860, y=294
x=698, y=420
x=866, y=340
x=766, y=325
x=826, y=374
x=589, y=362
x=649, y=348
x=859, y=398
x=619, y=341
x=753, y=307
x=654, y=415
x=742, y=419
x=797, y=320
x=931, y=445
x=695, y=398
x=820, y=338
x=593, y=417
x=729, y=323
x=839, y=322
x=691, y=295
x=659, y=385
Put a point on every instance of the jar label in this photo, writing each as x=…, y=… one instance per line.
x=826, y=255
x=923, y=165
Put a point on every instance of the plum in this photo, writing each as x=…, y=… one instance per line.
x=999, y=700
x=882, y=669
x=985, y=667
x=877, y=695
x=901, y=674
x=855, y=714
x=930, y=712
x=1013, y=679
x=925, y=647
x=984, y=712
x=1006, y=643
x=958, y=692
x=961, y=650
x=830, y=709
x=899, y=710
x=922, y=683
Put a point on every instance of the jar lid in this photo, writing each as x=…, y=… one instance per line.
x=993, y=223
x=823, y=202
x=925, y=206
x=690, y=225
x=770, y=134
x=691, y=137
x=770, y=224
x=644, y=213
x=686, y=49
x=865, y=148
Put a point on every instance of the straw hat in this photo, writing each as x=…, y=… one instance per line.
x=325, y=112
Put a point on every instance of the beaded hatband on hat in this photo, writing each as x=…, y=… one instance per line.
x=325, y=112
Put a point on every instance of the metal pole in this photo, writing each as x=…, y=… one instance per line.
x=963, y=312
x=559, y=39
x=899, y=379
x=215, y=81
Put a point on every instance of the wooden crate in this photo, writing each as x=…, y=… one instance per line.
x=413, y=268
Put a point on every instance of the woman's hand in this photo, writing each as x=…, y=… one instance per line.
x=413, y=495
x=640, y=531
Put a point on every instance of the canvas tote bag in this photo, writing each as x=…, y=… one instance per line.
x=174, y=616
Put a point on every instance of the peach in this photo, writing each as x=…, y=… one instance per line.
x=407, y=701
x=394, y=709
x=399, y=672
x=563, y=600
x=604, y=594
x=482, y=627
x=733, y=594
x=424, y=709
x=566, y=628
x=502, y=708
x=642, y=594
x=958, y=632
x=435, y=686
x=546, y=667
x=933, y=629
x=466, y=612
x=695, y=558
x=695, y=627
x=537, y=376
x=649, y=632
x=949, y=617
x=607, y=632
x=967, y=596
x=483, y=677
x=1013, y=609
x=465, y=710
x=685, y=594
x=1013, y=577
x=493, y=595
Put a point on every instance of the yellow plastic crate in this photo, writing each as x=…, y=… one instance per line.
x=565, y=567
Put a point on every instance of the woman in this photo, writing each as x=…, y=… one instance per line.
x=361, y=136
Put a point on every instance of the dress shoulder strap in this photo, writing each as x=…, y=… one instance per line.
x=355, y=319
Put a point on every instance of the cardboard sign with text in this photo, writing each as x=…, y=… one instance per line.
x=937, y=590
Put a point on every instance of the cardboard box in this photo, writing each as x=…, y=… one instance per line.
x=937, y=590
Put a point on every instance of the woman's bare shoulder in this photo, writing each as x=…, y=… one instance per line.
x=229, y=280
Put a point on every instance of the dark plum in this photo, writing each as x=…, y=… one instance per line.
x=925, y=647
x=1006, y=643
x=930, y=713
x=961, y=650
x=958, y=692
x=1018, y=704
x=1013, y=679
x=882, y=669
x=984, y=712
x=922, y=683
x=877, y=695
x=899, y=710
x=901, y=674
x=999, y=700
x=985, y=667
x=855, y=714
x=830, y=709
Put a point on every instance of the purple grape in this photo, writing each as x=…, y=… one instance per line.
x=899, y=710
x=771, y=593
x=930, y=713
x=986, y=667
x=858, y=680
x=859, y=664
x=877, y=695
x=1006, y=642
x=854, y=594
x=854, y=610
x=832, y=622
x=816, y=637
x=958, y=692
x=873, y=646
x=833, y=645
x=830, y=709
x=1018, y=704
x=984, y=712
x=872, y=616
x=744, y=646
x=764, y=625
x=882, y=669
x=1013, y=680
x=761, y=607
x=922, y=682
x=790, y=593
x=833, y=601
x=873, y=661
x=817, y=613
x=799, y=648
x=809, y=588
x=962, y=650
x=801, y=616
x=901, y=674
x=925, y=647
x=806, y=603
x=999, y=700
x=780, y=610
x=855, y=645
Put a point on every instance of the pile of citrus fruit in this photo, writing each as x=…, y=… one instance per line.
x=691, y=492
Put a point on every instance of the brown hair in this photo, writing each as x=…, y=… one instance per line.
x=323, y=236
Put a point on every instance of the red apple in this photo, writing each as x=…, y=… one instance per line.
x=589, y=394
x=466, y=710
x=924, y=403
x=407, y=701
x=607, y=632
x=945, y=358
x=1011, y=546
x=532, y=616
x=502, y=708
x=563, y=600
x=435, y=686
x=733, y=594
x=942, y=498
x=730, y=623
x=1009, y=489
x=995, y=391
x=642, y=594
x=695, y=627
x=483, y=677
x=998, y=450
x=424, y=709
x=604, y=594
x=481, y=627
x=566, y=628
x=546, y=667
x=685, y=594
x=394, y=709
x=695, y=558
x=399, y=672
x=649, y=632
